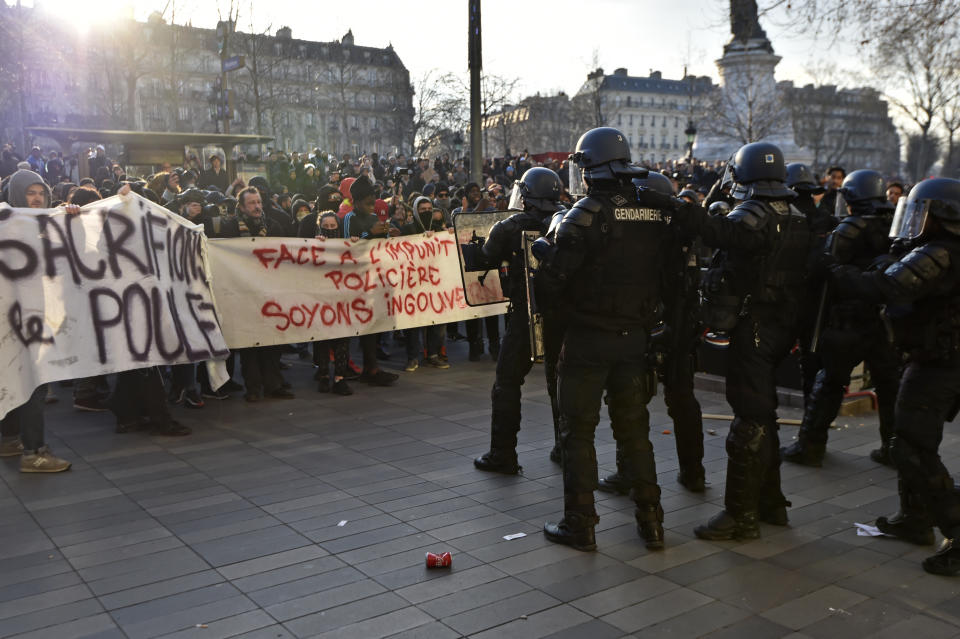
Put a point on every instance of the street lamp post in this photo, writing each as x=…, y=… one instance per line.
x=691, y=133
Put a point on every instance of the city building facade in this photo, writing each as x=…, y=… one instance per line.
x=154, y=76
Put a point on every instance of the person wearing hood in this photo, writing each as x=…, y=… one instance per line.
x=22, y=430
x=328, y=199
x=307, y=182
x=329, y=227
x=273, y=212
x=427, y=220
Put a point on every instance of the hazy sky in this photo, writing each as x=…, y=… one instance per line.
x=549, y=44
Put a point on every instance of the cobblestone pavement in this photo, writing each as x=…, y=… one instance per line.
x=310, y=518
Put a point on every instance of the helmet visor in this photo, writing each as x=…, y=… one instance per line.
x=909, y=219
x=577, y=186
x=840, y=207
x=516, y=198
x=726, y=180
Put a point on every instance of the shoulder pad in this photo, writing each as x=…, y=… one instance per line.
x=931, y=256
x=589, y=203
x=922, y=264
x=750, y=213
x=508, y=226
x=583, y=211
x=851, y=227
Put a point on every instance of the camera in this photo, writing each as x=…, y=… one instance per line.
x=399, y=172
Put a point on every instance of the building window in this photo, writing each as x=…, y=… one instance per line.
x=628, y=100
x=641, y=141
x=653, y=120
x=619, y=119
x=630, y=117
x=184, y=113
x=675, y=142
x=641, y=120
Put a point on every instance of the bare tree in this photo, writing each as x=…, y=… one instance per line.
x=748, y=108
x=922, y=154
x=439, y=107
x=922, y=66
x=255, y=85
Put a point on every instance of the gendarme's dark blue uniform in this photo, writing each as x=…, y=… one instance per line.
x=610, y=252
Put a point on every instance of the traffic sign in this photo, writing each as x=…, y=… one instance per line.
x=232, y=63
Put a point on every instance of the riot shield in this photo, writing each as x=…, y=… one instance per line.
x=535, y=317
x=481, y=280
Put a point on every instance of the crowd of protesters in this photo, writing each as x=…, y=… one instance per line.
x=308, y=195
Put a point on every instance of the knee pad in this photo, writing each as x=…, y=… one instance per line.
x=746, y=436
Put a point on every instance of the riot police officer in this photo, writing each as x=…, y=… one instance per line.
x=538, y=193
x=767, y=245
x=854, y=331
x=674, y=355
x=922, y=293
x=801, y=180
x=606, y=267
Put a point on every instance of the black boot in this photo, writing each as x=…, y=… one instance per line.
x=882, y=455
x=555, y=455
x=498, y=460
x=911, y=523
x=476, y=351
x=614, y=483
x=947, y=560
x=774, y=515
x=804, y=453
x=724, y=526
x=574, y=530
x=693, y=479
x=650, y=525
x=908, y=528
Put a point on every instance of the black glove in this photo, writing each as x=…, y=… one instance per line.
x=667, y=204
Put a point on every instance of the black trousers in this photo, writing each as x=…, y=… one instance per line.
x=591, y=361
x=139, y=393
x=261, y=369
x=757, y=347
x=513, y=365
x=683, y=407
x=929, y=395
x=840, y=351
x=475, y=329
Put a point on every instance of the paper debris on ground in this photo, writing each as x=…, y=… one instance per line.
x=343, y=522
x=866, y=530
x=514, y=536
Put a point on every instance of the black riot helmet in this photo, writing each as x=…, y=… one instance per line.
x=720, y=208
x=655, y=181
x=758, y=170
x=539, y=188
x=603, y=154
x=865, y=191
x=800, y=178
x=936, y=197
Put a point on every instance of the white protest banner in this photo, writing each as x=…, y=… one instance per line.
x=122, y=285
x=284, y=290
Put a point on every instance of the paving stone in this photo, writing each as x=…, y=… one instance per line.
x=809, y=609
x=660, y=608
x=344, y=615
x=382, y=626
x=501, y=612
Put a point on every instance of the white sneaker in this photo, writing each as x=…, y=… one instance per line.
x=412, y=365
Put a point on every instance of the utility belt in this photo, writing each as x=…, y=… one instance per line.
x=926, y=340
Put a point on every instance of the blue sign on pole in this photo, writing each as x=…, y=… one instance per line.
x=232, y=63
